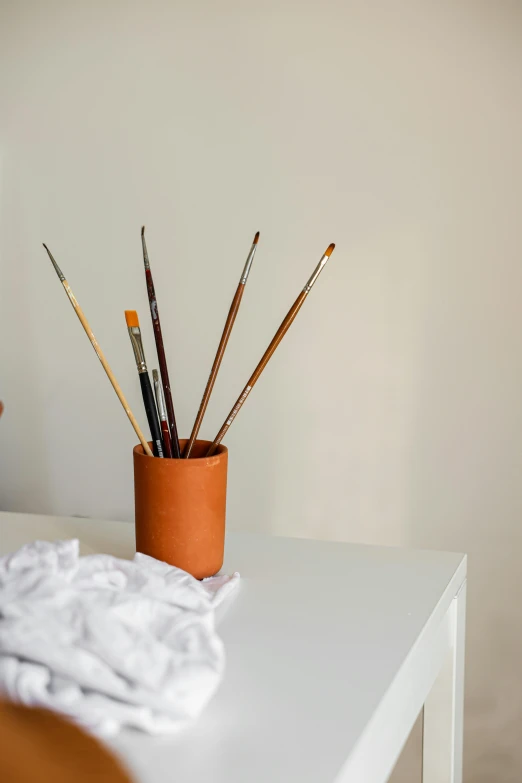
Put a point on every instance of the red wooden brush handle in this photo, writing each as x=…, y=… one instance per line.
x=163, y=365
x=166, y=439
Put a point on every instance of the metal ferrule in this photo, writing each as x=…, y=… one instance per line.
x=315, y=274
x=248, y=264
x=137, y=347
x=160, y=400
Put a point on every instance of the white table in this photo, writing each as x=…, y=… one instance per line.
x=332, y=651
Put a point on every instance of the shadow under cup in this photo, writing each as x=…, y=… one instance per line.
x=180, y=508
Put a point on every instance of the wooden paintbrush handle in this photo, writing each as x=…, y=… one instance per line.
x=167, y=448
x=99, y=353
x=162, y=359
x=257, y=372
x=232, y=313
x=152, y=414
x=271, y=348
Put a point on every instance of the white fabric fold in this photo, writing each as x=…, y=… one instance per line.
x=108, y=642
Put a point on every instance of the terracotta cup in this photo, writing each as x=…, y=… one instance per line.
x=180, y=507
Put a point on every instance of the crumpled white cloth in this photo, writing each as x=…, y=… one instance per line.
x=108, y=642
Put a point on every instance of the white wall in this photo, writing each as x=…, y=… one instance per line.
x=392, y=412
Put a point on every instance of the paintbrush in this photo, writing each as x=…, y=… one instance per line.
x=162, y=413
x=133, y=324
x=100, y=355
x=229, y=323
x=270, y=350
x=160, y=349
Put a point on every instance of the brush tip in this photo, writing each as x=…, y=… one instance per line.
x=155, y=376
x=131, y=317
x=143, y=231
x=256, y=238
x=329, y=250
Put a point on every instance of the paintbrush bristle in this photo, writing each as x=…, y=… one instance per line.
x=256, y=238
x=329, y=250
x=56, y=267
x=144, y=248
x=131, y=317
x=155, y=376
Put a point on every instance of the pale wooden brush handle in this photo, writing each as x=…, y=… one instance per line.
x=115, y=385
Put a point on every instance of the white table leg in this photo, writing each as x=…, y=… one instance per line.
x=443, y=710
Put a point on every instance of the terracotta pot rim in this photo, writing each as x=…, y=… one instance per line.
x=138, y=451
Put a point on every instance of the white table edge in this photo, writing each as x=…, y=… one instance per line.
x=433, y=675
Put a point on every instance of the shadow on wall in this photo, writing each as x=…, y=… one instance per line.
x=465, y=476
